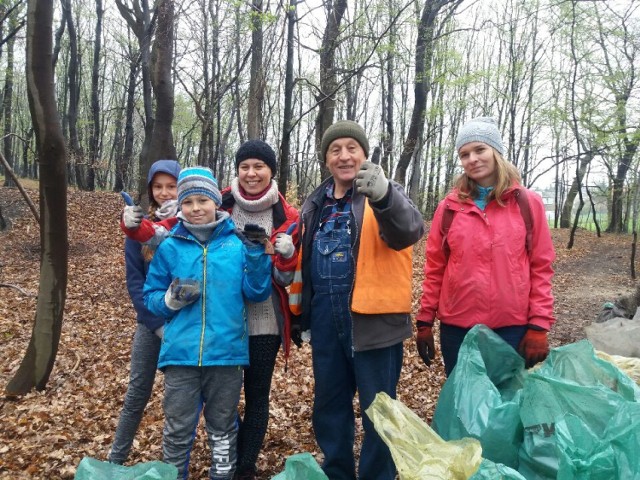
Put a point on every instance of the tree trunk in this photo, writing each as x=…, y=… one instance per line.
x=41, y=352
x=565, y=216
x=139, y=20
x=256, y=81
x=7, y=106
x=75, y=149
x=94, y=147
x=287, y=127
x=388, y=137
x=162, y=146
x=616, y=224
x=328, y=77
x=423, y=58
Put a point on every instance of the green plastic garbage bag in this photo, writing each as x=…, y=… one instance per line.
x=481, y=397
x=420, y=454
x=92, y=469
x=495, y=471
x=301, y=466
x=580, y=416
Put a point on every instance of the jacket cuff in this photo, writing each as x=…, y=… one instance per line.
x=285, y=264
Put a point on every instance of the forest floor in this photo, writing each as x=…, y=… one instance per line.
x=44, y=435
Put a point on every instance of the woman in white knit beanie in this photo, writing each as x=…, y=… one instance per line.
x=489, y=256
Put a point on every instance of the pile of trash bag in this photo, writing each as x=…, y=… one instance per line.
x=576, y=415
x=616, y=330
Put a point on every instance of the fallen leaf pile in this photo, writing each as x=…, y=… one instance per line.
x=45, y=435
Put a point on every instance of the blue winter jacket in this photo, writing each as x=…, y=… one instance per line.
x=212, y=330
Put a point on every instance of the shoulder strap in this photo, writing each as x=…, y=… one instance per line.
x=525, y=210
x=445, y=225
x=522, y=197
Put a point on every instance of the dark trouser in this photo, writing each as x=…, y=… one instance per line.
x=339, y=371
x=451, y=339
x=186, y=389
x=144, y=364
x=263, y=350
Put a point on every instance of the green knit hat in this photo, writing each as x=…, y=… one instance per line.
x=344, y=129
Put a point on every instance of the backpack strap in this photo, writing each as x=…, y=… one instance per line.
x=445, y=225
x=522, y=197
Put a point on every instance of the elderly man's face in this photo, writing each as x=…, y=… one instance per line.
x=344, y=158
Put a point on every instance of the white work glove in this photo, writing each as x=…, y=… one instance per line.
x=159, y=332
x=371, y=182
x=182, y=292
x=132, y=216
x=284, y=245
x=167, y=210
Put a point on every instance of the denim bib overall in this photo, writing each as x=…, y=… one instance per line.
x=339, y=371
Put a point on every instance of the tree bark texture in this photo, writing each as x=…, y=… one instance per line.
x=328, y=76
x=73, y=85
x=36, y=366
x=287, y=124
x=162, y=146
x=94, y=144
x=256, y=80
x=423, y=58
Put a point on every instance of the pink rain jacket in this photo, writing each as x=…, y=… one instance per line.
x=489, y=277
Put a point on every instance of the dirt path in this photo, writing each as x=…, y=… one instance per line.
x=593, y=271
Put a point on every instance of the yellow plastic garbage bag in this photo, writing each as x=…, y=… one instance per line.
x=418, y=452
x=629, y=365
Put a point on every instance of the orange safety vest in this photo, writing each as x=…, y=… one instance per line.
x=383, y=275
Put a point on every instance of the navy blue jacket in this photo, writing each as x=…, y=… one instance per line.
x=136, y=270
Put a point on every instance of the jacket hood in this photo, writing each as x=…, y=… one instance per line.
x=170, y=167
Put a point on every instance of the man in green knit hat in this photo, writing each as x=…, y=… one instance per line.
x=357, y=224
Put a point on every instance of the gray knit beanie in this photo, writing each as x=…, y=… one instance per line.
x=198, y=181
x=480, y=129
x=259, y=150
x=344, y=129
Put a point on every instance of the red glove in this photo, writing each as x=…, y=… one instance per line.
x=425, y=343
x=534, y=346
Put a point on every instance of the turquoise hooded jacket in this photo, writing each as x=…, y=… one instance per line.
x=212, y=331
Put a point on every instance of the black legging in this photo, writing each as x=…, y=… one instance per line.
x=263, y=350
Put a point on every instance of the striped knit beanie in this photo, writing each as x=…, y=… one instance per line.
x=480, y=129
x=198, y=181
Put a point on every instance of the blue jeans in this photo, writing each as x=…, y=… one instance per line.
x=451, y=339
x=339, y=371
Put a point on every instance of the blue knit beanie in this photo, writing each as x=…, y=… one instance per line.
x=198, y=181
x=480, y=129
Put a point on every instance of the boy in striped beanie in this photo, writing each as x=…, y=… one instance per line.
x=199, y=280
